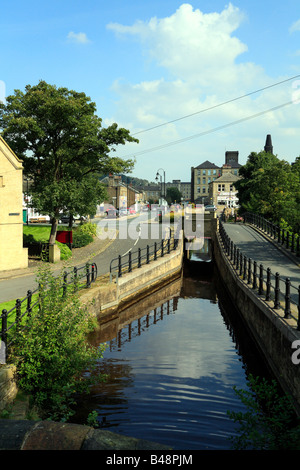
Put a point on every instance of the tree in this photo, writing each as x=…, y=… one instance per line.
x=59, y=137
x=269, y=186
x=173, y=195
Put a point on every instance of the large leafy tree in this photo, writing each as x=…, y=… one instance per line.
x=59, y=137
x=173, y=195
x=270, y=186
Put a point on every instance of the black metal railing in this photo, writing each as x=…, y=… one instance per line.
x=136, y=259
x=287, y=239
x=23, y=309
x=271, y=287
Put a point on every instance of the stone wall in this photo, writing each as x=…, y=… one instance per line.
x=272, y=333
x=8, y=388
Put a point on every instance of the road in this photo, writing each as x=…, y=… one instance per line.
x=132, y=233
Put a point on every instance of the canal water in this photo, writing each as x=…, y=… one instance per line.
x=172, y=361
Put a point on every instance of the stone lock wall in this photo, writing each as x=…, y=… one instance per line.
x=271, y=332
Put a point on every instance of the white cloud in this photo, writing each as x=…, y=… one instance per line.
x=295, y=26
x=79, y=38
x=200, y=65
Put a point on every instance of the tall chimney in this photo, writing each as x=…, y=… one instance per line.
x=269, y=146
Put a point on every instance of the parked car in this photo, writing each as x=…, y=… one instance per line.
x=123, y=211
x=64, y=218
x=131, y=210
x=210, y=208
x=112, y=213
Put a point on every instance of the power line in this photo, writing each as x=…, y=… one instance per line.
x=218, y=105
x=247, y=118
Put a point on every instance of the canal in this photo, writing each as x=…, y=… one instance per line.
x=172, y=361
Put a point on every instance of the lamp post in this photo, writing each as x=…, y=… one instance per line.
x=156, y=179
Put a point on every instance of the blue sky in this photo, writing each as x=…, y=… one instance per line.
x=162, y=69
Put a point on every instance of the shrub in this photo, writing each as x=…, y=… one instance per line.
x=65, y=252
x=269, y=422
x=81, y=239
x=88, y=228
x=52, y=353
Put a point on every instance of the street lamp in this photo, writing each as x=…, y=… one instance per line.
x=156, y=179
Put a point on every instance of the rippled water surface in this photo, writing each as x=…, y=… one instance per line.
x=171, y=372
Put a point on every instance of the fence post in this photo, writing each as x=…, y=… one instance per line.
x=147, y=254
x=249, y=270
x=287, y=309
x=29, y=297
x=261, y=271
x=241, y=264
x=119, y=266
x=93, y=272
x=18, y=312
x=129, y=262
x=4, y=332
x=65, y=283
x=245, y=268
x=139, y=258
x=276, y=301
x=75, y=278
x=88, y=279
x=268, y=284
x=155, y=250
x=162, y=248
x=254, y=274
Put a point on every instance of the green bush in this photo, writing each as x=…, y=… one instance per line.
x=87, y=228
x=65, y=252
x=269, y=422
x=52, y=353
x=81, y=239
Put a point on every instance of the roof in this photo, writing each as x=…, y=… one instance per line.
x=208, y=165
x=227, y=177
x=10, y=154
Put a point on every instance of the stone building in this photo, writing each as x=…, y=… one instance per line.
x=222, y=190
x=12, y=253
x=201, y=176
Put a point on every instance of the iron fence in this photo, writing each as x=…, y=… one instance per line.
x=272, y=287
x=23, y=309
x=136, y=259
x=289, y=240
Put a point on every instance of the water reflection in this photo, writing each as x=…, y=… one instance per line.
x=172, y=361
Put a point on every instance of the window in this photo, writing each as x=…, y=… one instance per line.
x=203, y=172
x=214, y=172
x=203, y=190
x=204, y=180
x=209, y=172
